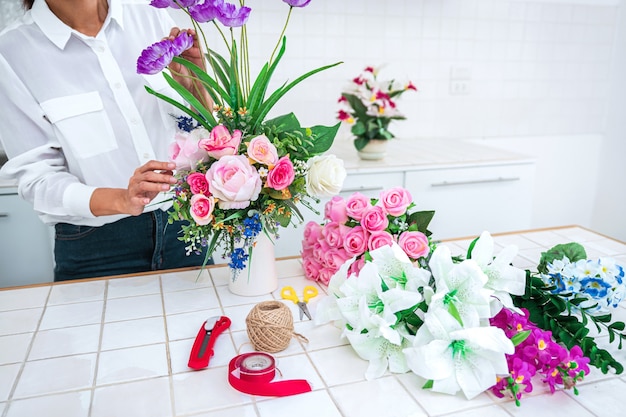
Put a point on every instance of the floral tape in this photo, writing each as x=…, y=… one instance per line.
x=252, y=373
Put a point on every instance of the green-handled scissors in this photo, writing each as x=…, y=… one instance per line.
x=288, y=293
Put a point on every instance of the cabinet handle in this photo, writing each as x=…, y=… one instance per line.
x=4, y=214
x=361, y=188
x=487, y=180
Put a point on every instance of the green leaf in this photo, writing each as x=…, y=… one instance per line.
x=471, y=248
x=267, y=105
x=181, y=107
x=618, y=325
x=324, y=137
x=428, y=384
x=572, y=251
x=421, y=219
x=204, y=78
x=359, y=142
x=520, y=337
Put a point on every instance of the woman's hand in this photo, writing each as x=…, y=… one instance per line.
x=146, y=183
x=184, y=76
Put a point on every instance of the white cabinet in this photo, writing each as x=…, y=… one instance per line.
x=469, y=200
x=470, y=187
x=25, y=243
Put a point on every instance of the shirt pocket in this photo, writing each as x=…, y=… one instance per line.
x=82, y=123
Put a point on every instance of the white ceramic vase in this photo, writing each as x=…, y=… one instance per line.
x=374, y=150
x=259, y=276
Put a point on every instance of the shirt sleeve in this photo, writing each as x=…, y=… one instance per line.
x=36, y=161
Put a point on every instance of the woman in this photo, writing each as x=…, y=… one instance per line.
x=87, y=144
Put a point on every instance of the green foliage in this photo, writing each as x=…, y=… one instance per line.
x=572, y=251
x=552, y=312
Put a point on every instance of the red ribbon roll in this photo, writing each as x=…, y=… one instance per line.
x=252, y=373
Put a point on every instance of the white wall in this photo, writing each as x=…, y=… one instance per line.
x=610, y=201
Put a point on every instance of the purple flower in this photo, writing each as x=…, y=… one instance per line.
x=159, y=55
x=231, y=16
x=181, y=43
x=206, y=11
x=297, y=3
x=162, y=4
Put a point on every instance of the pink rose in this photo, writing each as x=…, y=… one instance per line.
x=335, y=210
x=414, y=244
x=220, y=142
x=379, y=239
x=374, y=219
x=325, y=275
x=311, y=268
x=234, y=182
x=312, y=232
x=201, y=209
x=355, y=205
x=282, y=175
x=334, y=233
x=184, y=152
x=198, y=183
x=355, y=241
x=261, y=150
x=356, y=266
x=319, y=248
x=334, y=258
x=395, y=200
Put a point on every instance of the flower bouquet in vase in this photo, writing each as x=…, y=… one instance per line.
x=241, y=176
x=368, y=106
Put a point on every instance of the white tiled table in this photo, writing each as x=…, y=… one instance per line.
x=119, y=348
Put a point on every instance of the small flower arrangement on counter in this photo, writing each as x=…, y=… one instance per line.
x=466, y=323
x=239, y=173
x=368, y=105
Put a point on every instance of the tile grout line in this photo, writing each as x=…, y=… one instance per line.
x=28, y=350
x=101, y=337
x=170, y=373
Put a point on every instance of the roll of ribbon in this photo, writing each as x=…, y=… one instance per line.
x=252, y=373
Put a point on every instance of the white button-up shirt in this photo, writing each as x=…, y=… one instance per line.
x=74, y=113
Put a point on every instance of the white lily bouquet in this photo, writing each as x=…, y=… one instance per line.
x=433, y=322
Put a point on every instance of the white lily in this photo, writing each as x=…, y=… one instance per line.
x=397, y=269
x=503, y=278
x=380, y=353
x=460, y=286
x=458, y=359
x=327, y=308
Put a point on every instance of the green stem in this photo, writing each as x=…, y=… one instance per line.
x=281, y=35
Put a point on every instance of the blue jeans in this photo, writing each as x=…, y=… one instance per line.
x=130, y=245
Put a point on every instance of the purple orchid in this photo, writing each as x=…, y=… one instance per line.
x=206, y=11
x=176, y=4
x=297, y=3
x=159, y=55
x=231, y=16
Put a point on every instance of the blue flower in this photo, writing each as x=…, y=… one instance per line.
x=252, y=225
x=595, y=287
x=185, y=123
x=238, y=259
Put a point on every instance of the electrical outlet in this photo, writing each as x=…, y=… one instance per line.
x=460, y=87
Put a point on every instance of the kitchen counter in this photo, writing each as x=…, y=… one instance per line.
x=424, y=154
x=119, y=347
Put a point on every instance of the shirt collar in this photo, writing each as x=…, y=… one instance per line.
x=57, y=31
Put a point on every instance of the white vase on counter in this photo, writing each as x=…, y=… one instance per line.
x=374, y=150
x=259, y=277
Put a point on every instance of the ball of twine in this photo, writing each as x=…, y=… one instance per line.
x=270, y=326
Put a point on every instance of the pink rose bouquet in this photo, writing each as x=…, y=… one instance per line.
x=356, y=225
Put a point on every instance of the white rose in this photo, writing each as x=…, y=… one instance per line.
x=325, y=175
